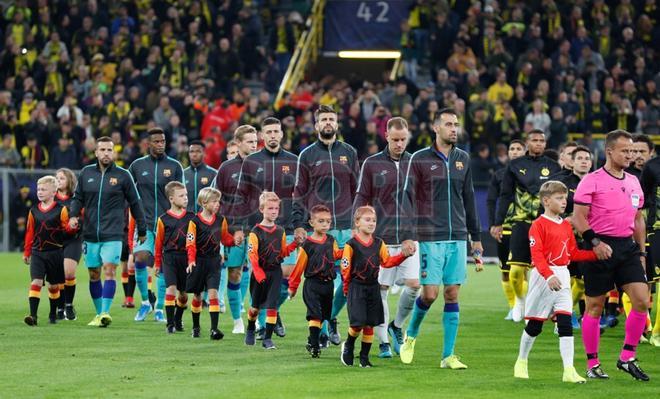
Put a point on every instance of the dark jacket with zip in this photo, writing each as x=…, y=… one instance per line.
x=439, y=197
x=650, y=183
x=226, y=181
x=326, y=175
x=266, y=171
x=197, y=178
x=494, y=189
x=381, y=186
x=520, y=185
x=103, y=195
x=151, y=174
x=571, y=181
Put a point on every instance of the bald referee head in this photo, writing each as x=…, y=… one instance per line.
x=608, y=213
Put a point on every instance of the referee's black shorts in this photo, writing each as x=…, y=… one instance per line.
x=503, y=251
x=519, y=245
x=317, y=295
x=364, y=305
x=174, y=269
x=624, y=267
x=266, y=295
x=204, y=276
x=48, y=265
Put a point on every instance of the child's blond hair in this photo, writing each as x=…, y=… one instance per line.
x=268, y=196
x=552, y=187
x=52, y=180
x=172, y=186
x=208, y=194
x=363, y=210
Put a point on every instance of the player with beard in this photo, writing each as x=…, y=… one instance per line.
x=441, y=211
x=151, y=174
x=327, y=174
x=381, y=186
x=516, y=150
x=198, y=175
x=103, y=190
x=271, y=169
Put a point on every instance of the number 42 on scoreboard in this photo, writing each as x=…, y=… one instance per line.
x=380, y=11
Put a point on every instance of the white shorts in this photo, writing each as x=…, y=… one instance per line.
x=541, y=302
x=408, y=270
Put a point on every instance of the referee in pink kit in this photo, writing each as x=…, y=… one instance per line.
x=608, y=205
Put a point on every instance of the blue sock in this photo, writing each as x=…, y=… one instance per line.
x=450, y=328
x=222, y=289
x=262, y=318
x=338, y=301
x=160, y=299
x=324, y=328
x=142, y=280
x=96, y=291
x=284, y=292
x=234, y=298
x=109, y=287
x=418, y=313
x=245, y=283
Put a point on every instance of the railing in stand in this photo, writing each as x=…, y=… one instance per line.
x=305, y=53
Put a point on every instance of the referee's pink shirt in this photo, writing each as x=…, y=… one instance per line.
x=613, y=202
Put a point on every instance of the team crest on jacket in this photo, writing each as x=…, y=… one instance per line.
x=113, y=181
x=459, y=165
x=545, y=172
x=204, y=180
x=343, y=159
x=167, y=172
x=285, y=169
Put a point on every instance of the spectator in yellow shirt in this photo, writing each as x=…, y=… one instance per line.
x=500, y=91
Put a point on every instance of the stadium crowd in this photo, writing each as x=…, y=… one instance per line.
x=73, y=71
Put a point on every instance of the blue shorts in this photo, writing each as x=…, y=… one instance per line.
x=341, y=236
x=236, y=256
x=293, y=256
x=148, y=244
x=99, y=253
x=443, y=262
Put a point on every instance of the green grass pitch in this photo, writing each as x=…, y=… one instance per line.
x=133, y=360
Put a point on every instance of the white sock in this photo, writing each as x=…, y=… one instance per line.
x=381, y=330
x=146, y=302
x=566, y=349
x=406, y=304
x=526, y=343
